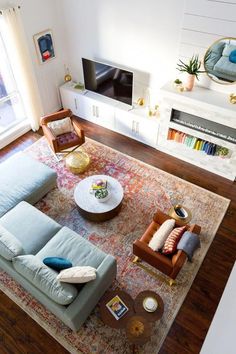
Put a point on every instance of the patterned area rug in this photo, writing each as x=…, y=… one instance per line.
x=146, y=189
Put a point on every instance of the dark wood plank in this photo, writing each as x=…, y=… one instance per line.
x=20, y=334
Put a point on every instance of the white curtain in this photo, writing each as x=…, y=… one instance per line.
x=15, y=42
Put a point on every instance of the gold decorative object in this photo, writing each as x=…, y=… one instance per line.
x=140, y=101
x=67, y=76
x=136, y=327
x=232, y=98
x=187, y=215
x=77, y=161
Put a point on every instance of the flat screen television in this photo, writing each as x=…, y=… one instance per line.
x=108, y=80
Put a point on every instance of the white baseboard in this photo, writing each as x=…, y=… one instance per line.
x=14, y=133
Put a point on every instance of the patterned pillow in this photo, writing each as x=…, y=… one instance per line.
x=170, y=245
x=61, y=126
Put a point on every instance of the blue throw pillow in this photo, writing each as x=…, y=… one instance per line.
x=57, y=263
x=232, y=56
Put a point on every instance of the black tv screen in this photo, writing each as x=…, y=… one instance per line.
x=108, y=80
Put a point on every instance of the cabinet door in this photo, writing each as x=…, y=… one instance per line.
x=104, y=115
x=147, y=131
x=124, y=123
x=86, y=108
x=69, y=99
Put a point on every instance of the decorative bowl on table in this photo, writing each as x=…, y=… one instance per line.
x=102, y=195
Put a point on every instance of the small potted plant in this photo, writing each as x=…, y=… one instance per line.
x=192, y=68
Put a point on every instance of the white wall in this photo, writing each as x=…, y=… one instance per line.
x=37, y=16
x=141, y=36
x=206, y=21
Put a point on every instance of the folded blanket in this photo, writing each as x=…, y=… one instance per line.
x=188, y=243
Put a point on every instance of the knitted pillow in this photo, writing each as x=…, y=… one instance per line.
x=161, y=235
x=170, y=245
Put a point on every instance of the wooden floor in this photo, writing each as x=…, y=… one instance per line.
x=20, y=334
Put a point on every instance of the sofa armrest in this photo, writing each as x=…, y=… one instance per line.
x=78, y=129
x=77, y=312
x=156, y=259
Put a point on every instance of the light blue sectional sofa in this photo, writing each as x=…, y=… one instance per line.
x=27, y=236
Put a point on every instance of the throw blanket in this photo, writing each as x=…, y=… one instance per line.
x=189, y=242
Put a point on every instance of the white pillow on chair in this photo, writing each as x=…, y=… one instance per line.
x=61, y=126
x=160, y=236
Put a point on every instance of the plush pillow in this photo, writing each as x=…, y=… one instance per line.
x=61, y=126
x=172, y=240
x=45, y=279
x=189, y=242
x=10, y=246
x=57, y=263
x=232, y=57
x=161, y=235
x=228, y=49
x=77, y=275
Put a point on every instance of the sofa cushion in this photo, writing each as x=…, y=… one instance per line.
x=23, y=178
x=45, y=279
x=161, y=235
x=30, y=226
x=68, y=244
x=57, y=263
x=10, y=246
x=77, y=275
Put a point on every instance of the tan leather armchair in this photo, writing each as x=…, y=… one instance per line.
x=64, y=141
x=169, y=265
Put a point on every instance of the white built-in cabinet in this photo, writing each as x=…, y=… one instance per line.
x=201, y=104
x=110, y=114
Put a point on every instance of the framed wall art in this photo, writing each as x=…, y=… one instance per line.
x=44, y=46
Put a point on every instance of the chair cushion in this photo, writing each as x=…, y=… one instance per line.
x=172, y=240
x=67, y=138
x=10, y=247
x=161, y=235
x=68, y=244
x=30, y=226
x=45, y=279
x=77, y=275
x=61, y=126
x=23, y=178
x=57, y=263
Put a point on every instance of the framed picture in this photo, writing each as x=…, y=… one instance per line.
x=44, y=46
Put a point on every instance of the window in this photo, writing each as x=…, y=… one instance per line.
x=11, y=107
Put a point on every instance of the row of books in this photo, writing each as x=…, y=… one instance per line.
x=196, y=143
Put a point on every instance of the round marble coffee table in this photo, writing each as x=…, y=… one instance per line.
x=90, y=207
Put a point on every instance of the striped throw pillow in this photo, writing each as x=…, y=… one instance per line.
x=170, y=245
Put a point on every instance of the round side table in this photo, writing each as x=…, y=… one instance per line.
x=139, y=309
x=108, y=318
x=138, y=330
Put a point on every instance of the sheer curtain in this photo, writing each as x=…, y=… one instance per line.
x=15, y=42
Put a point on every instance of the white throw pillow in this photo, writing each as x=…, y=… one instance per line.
x=160, y=236
x=61, y=126
x=77, y=275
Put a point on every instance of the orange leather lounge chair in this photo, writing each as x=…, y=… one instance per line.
x=169, y=265
x=64, y=141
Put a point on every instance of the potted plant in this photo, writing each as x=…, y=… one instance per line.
x=192, y=68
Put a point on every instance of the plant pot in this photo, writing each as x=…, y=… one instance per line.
x=189, y=82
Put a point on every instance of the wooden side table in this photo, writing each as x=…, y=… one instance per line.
x=139, y=309
x=108, y=318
